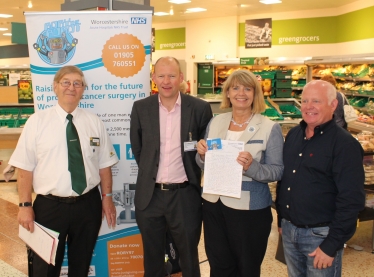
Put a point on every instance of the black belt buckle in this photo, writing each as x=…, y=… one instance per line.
x=162, y=186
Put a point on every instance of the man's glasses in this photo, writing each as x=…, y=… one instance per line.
x=67, y=84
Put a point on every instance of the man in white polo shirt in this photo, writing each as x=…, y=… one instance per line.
x=64, y=154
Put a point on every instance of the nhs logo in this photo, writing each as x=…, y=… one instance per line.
x=138, y=20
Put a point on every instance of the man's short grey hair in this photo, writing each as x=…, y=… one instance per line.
x=331, y=90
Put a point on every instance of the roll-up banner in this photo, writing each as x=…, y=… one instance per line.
x=113, y=49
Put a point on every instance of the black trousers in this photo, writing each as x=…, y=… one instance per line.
x=235, y=240
x=78, y=224
x=179, y=211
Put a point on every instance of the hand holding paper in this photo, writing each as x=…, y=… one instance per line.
x=202, y=148
x=42, y=241
x=222, y=172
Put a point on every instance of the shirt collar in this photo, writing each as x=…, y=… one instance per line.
x=178, y=102
x=321, y=128
x=62, y=113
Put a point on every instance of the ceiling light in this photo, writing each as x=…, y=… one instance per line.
x=3, y=29
x=7, y=34
x=171, y=11
x=29, y=5
x=267, y=2
x=5, y=15
x=195, y=10
x=161, y=13
x=179, y=1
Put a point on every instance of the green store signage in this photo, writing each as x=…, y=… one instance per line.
x=170, y=39
x=247, y=61
x=356, y=25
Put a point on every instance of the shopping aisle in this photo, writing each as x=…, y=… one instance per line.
x=13, y=254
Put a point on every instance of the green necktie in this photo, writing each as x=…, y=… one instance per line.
x=76, y=165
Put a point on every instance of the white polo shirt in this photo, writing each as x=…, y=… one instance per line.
x=42, y=149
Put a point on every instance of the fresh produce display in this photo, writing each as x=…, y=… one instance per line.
x=366, y=139
x=353, y=70
x=25, y=91
x=299, y=73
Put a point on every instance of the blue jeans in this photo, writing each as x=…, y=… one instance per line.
x=298, y=243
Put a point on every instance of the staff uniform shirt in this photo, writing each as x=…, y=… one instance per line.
x=323, y=182
x=42, y=149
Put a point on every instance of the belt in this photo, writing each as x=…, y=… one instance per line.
x=171, y=186
x=70, y=199
x=323, y=224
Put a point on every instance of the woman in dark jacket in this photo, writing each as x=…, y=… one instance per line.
x=339, y=112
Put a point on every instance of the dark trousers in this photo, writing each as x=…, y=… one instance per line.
x=179, y=211
x=78, y=224
x=235, y=240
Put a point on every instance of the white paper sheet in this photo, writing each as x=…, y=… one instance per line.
x=55, y=235
x=222, y=173
x=42, y=241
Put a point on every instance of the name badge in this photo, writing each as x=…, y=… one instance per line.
x=94, y=141
x=190, y=145
x=214, y=143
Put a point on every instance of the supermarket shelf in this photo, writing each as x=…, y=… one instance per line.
x=297, y=88
x=358, y=127
x=366, y=214
x=353, y=93
x=10, y=133
x=10, y=105
x=349, y=78
x=369, y=186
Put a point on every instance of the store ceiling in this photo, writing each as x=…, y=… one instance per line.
x=215, y=8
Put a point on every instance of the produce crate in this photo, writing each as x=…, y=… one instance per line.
x=272, y=114
x=283, y=92
x=7, y=123
x=9, y=113
x=20, y=122
x=26, y=112
x=283, y=83
x=284, y=74
x=290, y=111
x=266, y=74
x=366, y=92
x=360, y=74
x=358, y=101
x=301, y=83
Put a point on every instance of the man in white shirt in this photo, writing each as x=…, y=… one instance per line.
x=42, y=158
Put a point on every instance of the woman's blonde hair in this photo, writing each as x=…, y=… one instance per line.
x=329, y=78
x=183, y=86
x=248, y=79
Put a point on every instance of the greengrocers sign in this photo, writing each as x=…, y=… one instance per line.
x=177, y=45
x=304, y=31
x=170, y=39
x=297, y=40
x=352, y=26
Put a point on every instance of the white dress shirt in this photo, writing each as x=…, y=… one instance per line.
x=42, y=149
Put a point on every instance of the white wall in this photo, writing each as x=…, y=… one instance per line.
x=219, y=36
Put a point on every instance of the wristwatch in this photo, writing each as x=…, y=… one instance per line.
x=25, y=204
